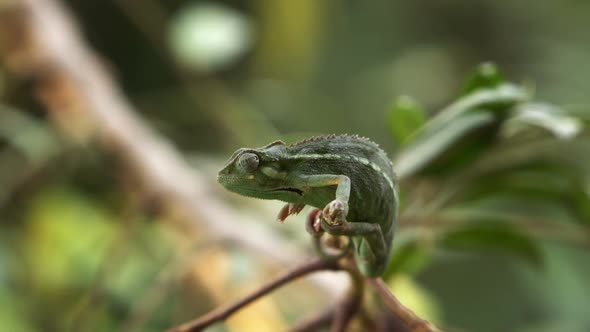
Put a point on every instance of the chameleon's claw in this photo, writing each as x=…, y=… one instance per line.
x=289, y=209
x=296, y=207
x=335, y=212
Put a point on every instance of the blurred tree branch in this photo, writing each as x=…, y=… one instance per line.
x=41, y=42
x=340, y=316
x=413, y=322
x=223, y=313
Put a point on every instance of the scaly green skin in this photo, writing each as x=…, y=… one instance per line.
x=350, y=177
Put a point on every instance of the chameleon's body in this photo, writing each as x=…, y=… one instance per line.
x=350, y=177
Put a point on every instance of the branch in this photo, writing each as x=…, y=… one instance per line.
x=351, y=304
x=40, y=41
x=222, y=313
x=315, y=323
x=415, y=323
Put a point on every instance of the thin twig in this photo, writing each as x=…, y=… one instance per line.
x=315, y=323
x=352, y=302
x=414, y=323
x=222, y=313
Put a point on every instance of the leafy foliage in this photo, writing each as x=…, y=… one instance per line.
x=405, y=117
x=499, y=184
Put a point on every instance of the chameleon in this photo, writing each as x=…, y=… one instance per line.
x=347, y=176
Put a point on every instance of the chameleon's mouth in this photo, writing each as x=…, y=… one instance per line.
x=292, y=190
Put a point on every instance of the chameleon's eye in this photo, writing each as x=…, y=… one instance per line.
x=248, y=162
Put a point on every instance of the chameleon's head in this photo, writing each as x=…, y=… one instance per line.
x=257, y=173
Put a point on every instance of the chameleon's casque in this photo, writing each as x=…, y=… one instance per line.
x=349, y=176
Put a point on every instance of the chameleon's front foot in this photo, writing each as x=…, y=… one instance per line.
x=333, y=218
x=334, y=214
x=331, y=247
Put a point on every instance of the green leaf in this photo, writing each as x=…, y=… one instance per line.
x=410, y=255
x=486, y=75
x=571, y=154
x=546, y=116
x=405, y=118
x=532, y=191
x=499, y=99
x=481, y=108
x=419, y=154
x=490, y=236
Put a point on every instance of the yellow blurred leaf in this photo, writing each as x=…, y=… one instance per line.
x=415, y=298
x=66, y=237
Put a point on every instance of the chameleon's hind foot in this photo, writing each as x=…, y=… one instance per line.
x=334, y=214
x=289, y=209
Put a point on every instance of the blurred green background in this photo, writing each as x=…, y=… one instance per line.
x=494, y=231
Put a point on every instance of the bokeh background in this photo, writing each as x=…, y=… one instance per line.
x=494, y=231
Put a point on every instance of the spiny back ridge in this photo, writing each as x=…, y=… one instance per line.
x=332, y=137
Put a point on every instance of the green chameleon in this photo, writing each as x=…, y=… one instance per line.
x=348, y=176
